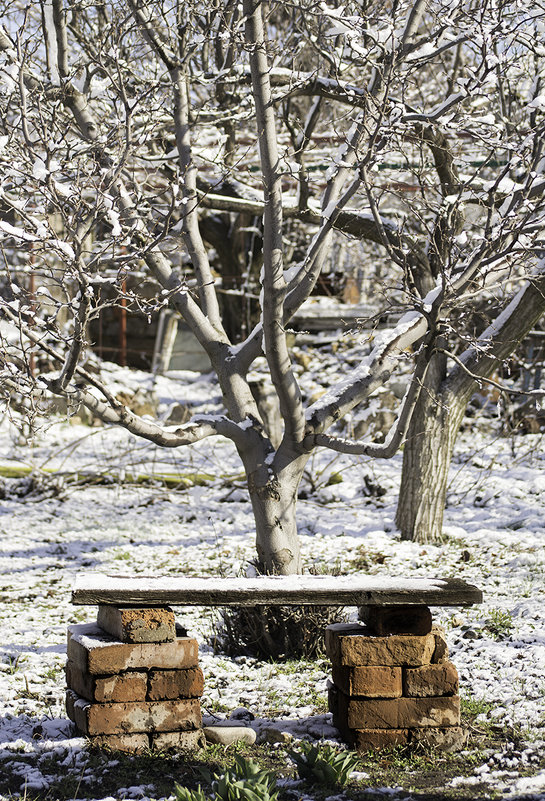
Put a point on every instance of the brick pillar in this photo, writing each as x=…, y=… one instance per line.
x=392, y=681
x=133, y=684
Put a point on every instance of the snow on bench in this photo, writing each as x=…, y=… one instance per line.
x=355, y=590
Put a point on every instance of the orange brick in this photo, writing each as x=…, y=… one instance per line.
x=440, y=653
x=353, y=645
x=129, y=743
x=375, y=739
x=129, y=686
x=401, y=619
x=162, y=741
x=129, y=624
x=393, y=713
x=363, y=739
x=137, y=717
x=164, y=684
x=369, y=681
x=430, y=680
x=97, y=653
x=180, y=740
x=450, y=738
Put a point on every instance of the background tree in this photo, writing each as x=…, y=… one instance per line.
x=489, y=217
x=135, y=133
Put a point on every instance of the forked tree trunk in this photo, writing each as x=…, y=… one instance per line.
x=426, y=461
x=274, y=504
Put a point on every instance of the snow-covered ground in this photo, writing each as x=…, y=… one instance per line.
x=494, y=538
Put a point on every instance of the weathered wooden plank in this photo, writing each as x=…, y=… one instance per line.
x=353, y=590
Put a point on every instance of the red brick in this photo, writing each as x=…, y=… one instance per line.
x=440, y=653
x=164, y=684
x=430, y=680
x=369, y=681
x=128, y=624
x=69, y=702
x=180, y=740
x=163, y=741
x=450, y=738
x=393, y=713
x=353, y=645
x=362, y=739
x=129, y=743
x=129, y=686
x=376, y=739
x=97, y=653
x=401, y=619
x=135, y=717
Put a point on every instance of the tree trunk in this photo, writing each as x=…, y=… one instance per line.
x=277, y=541
x=426, y=461
x=274, y=499
x=426, y=458
x=438, y=414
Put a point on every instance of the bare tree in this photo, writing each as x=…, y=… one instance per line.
x=131, y=129
x=484, y=247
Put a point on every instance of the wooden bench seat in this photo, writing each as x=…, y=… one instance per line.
x=356, y=590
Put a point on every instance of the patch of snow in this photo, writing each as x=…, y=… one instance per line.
x=123, y=529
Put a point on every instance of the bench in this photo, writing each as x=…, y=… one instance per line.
x=134, y=682
x=92, y=589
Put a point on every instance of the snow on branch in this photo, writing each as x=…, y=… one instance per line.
x=499, y=339
x=372, y=372
x=396, y=435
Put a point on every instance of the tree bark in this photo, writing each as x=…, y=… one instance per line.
x=440, y=409
x=426, y=461
x=274, y=500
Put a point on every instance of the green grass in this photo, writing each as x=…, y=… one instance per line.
x=471, y=706
x=499, y=624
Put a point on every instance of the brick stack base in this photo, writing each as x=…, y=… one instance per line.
x=392, y=681
x=133, y=684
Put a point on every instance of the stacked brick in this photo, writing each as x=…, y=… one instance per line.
x=133, y=682
x=393, y=683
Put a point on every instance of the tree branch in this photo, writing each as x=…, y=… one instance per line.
x=396, y=435
x=191, y=233
x=481, y=379
x=373, y=371
x=499, y=339
x=113, y=411
x=78, y=338
x=59, y=22
x=274, y=286
x=188, y=173
x=199, y=428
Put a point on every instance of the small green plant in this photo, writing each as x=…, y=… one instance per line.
x=244, y=781
x=324, y=765
x=124, y=556
x=13, y=663
x=499, y=624
x=52, y=672
x=472, y=707
x=185, y=794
